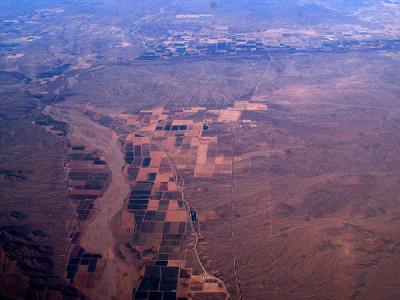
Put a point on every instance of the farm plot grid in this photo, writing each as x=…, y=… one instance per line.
x=161, y=144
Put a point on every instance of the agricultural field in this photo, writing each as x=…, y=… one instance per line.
x=199, y=149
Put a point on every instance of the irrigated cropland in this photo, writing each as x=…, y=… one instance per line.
x=199, y=150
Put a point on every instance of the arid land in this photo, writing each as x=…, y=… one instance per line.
x=247, y=176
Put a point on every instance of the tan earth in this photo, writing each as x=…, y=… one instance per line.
x=118, y=276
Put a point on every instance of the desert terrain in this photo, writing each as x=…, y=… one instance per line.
x=199, y=149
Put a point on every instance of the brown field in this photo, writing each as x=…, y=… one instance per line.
x=266, y=176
